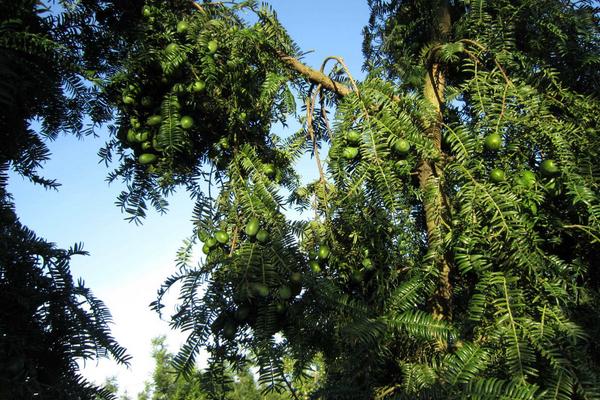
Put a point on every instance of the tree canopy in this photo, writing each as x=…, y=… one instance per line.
x=447, y=249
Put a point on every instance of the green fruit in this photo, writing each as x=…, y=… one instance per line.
x=206, y=249
x=146, y=101
x=211, y=242
x=261, y=289
x=172, y=48
x=296, y=277
x=141, y=137
x=182, y=26
x=549, y=168
x=353, y=137
x=222, y=236
x=131, y=136
x=350, y=152
x=198, y=86
x=493, y=142
x=367, y=263
x=314, y=266
x=154, y=120
x=262, y=236
x=269, y=170
x=147, y=145
x=284, y=292
x=135, y=123
x=128, y=100
x=186, y=122
x=527, y=179
x=497, y=175
x=147, y=158
x=243, y=116
x=323, y=252
x=252, y=226
x=212, y=46
x=402, y=147
x=146, y=11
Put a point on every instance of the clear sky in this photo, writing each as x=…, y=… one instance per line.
x=128, y=263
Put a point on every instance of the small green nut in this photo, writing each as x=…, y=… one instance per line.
x=314, y=266
x=222, y=236
x=262, y=236
x=186, y=122
x=252, y=227
x=353, y=137
x=324, y=252
x=497, y=175
x=402, y=147
x=147, y=158
x=182, y=26
x=350, y=153
x=493, y=142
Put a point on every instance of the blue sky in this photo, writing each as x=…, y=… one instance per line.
x=128, y=262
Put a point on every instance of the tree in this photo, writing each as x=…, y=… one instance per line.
x=48, y=321
x=455, y=223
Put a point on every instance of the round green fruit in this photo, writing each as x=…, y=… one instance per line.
x=131, y=136
x=211, y=242
x=527, y=178
x=402, y=147
x=549, y=168
x=353, y=137
x=269, y=170
x=350, y=153
x=323, y=252
x=497, y=175
x=493, y=142
x=261, y=289
x=212, y=46
x=198, y=86
x=222, y=236
x=146, y=12
x=154, y=120
x=182, y=26
x=252, y=227
x=314, y=266
x=284, y=292
x=128, y=100
x=262, y=236
x=134, y=122
x=147, y=158
x=206, y=249
x=186, y=122
x=296, y=277
x=172, y=48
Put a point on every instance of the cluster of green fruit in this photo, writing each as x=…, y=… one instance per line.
x=255, y=298
x=318, y=257
x=254, y=231
x=143, y=100
x=220, y=238
x=548, y=167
